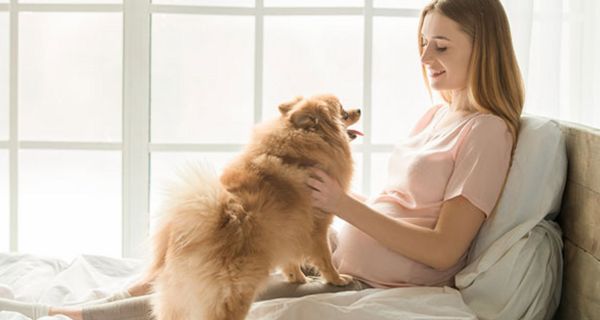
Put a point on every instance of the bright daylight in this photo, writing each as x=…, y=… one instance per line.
x=299, y=159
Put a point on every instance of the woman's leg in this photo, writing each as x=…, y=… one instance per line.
x=74, y=313
x=120, y=305
x=135, y=302
x=135, y=308
x=140, y=308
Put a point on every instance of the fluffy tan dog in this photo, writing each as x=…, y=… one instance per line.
x=219, y=240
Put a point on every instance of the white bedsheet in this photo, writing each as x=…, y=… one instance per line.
x=56, y=282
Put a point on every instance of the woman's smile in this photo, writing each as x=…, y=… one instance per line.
x=435, y=74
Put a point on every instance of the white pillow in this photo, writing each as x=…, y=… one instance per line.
x=523, y=282
x=514, y=269
x=535, y=184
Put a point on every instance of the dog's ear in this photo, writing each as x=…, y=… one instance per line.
x=305, y=118
x=285, y=107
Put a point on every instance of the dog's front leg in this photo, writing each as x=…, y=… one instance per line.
x=321, y=258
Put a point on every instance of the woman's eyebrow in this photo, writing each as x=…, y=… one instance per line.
x=437, y=37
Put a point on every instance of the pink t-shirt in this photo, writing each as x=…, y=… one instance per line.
x=470, y=157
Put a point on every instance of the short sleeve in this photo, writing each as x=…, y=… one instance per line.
x=481, y=163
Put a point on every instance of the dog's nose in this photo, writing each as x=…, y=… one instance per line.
x=358, y=111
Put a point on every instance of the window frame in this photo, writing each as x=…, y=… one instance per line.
x=136, y=147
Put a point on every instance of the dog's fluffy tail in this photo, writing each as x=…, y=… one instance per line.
x=192, y=206
x=197, y=249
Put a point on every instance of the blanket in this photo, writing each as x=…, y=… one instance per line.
x=57, y=282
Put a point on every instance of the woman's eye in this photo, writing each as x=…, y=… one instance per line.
x=441, y=49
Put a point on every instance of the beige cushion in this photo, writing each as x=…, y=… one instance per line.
x=580, y=221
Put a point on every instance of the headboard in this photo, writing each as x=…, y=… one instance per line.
x=580, y=222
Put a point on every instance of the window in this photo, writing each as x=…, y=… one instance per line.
x=69, y=202
x=4, y=204
x=61, y=127
x=4, y=63
x=71, y=91
x=202, y=78
x=112, y=97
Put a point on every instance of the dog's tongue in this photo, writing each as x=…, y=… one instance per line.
x=356, y=132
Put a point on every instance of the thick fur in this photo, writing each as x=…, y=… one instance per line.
x=220, y=238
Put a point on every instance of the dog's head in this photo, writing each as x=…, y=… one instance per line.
x=321, y=114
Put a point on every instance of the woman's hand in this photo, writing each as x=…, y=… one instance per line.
x=327, y=194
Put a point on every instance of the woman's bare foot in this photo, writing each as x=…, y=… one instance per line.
x=140, y=288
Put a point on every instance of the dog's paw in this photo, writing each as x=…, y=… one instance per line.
x=341, y=281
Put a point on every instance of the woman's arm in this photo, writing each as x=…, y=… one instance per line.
x=439, y=248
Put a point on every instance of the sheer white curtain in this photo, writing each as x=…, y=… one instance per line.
x=558, y=48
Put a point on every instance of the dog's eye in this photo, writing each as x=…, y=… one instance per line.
x=345, y=115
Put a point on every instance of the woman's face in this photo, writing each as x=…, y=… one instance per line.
x=446, y=52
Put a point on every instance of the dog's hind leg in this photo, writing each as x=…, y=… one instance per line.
x=233, y=306
x=163, y=310
x=230, y=295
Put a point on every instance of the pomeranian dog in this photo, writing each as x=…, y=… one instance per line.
x=219, y=239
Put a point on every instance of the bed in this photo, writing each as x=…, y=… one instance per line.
x=517, y=268
x=580, y=222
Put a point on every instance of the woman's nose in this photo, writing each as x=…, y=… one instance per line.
x=426, y=56
x=425, y=59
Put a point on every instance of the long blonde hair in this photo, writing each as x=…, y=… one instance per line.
x=494, y=82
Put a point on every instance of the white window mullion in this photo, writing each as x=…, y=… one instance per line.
x=57, y=145
x=258, y=60
x=196, y=147
x=391, y=12
x=136, y=126
x=57, y=7
x=366, y=107
x=13, y=135
x=209, y=10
